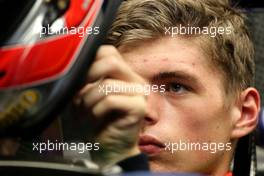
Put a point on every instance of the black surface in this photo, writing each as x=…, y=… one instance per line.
x=12, y=13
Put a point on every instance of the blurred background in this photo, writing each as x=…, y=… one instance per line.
x=256, y=25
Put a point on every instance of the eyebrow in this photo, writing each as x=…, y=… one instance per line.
x=180, y=75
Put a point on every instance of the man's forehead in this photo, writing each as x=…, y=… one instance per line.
x=165, y=49
x=151, y=60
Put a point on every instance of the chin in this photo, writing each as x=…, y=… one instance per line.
x=160, y=167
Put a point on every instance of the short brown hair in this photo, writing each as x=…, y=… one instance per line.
x=139, y=20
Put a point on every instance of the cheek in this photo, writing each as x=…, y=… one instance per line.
x=196, y=121
x=181, y=122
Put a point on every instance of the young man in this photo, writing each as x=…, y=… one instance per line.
x=199, y=56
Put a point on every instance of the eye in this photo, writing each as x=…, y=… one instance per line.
x=176, y=88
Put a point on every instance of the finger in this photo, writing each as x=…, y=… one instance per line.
x=93, y=94
x=110, y=67
x=87, y=88
x=132, y=105
x=77, y=99
x=110, y=64
x=106, y=50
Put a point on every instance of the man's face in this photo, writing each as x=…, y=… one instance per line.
x=191, y=110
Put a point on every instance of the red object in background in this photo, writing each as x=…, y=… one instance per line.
x=77, y=11
x=48, y=58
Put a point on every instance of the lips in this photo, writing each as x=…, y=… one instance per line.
x=150, y=145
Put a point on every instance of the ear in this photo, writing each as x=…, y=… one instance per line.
x=247, y=119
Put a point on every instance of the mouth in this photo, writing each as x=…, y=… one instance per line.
x=150, y=145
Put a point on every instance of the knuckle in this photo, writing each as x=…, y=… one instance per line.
x=112, y=62
x=109, y=100
x=141, y=105
x=132, y=120
x=106, y=82
x=109, y=49
x=142, y=101
x=95, y=112
x=87, y=103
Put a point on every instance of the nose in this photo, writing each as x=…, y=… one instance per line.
x=152, y=114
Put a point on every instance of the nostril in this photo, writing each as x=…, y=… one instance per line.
x=149, y=121
x=2, y=73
